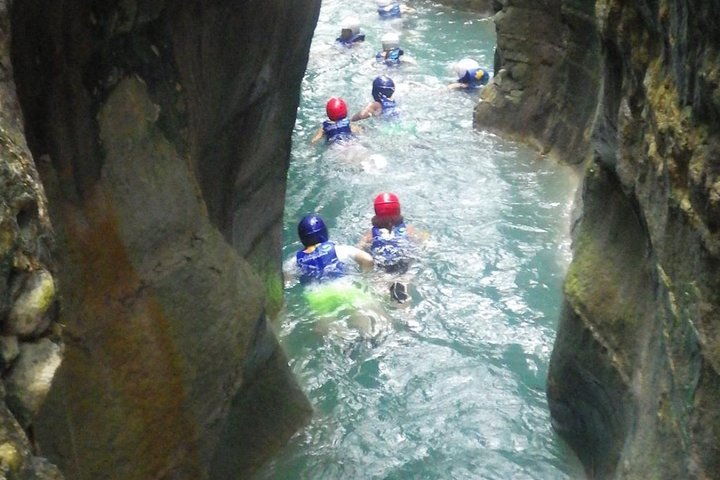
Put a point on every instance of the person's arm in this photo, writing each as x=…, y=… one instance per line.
x=457, y=86
x=367, y=112
x=290, y=269
x=417, y=235
x=408, y=59
x=365, y=242
x=363, y=259
x=318, y=136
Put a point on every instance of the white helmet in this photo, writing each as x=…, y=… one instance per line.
x=385, y=3
x=390, y=40
x=464, y=65
x=352, y=24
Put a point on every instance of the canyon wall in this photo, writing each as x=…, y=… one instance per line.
x=161, y=133
x=632, y=92
x=546, y=76
x=634, y=375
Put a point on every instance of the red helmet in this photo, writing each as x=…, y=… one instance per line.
x=387, y=205
x=336, y=109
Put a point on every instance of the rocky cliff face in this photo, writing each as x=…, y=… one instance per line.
x=161, y=132
x=30, y=344
x=633, y=382
x=546, y=76
x=633, y=379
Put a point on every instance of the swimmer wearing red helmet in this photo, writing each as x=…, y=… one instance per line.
x=337, y=128
x=390, y=241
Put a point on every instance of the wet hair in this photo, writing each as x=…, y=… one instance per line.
x=387, y=222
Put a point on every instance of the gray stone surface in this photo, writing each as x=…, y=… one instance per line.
x=167, y=144
x=544, y=92
x=26, y=241
x=29, y=380
x=634, y=376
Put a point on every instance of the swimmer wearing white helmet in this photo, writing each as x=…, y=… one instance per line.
x=389, y=9
x=350, y=32
x=391, y=52
x=469, y=75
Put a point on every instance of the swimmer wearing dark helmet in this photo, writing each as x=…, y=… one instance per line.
x=322, y=263
x=383, y=105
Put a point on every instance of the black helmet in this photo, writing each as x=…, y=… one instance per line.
x=382, y=86
x=312, y=230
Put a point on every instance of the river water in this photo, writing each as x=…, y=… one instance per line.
x=451, y=386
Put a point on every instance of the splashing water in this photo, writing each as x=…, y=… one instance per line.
x=453, y=384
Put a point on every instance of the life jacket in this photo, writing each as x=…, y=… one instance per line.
x=390, y=248
x=389, y=57
x=336, y=131
x=390, y=11
x=320, y=263
x=389, y=108
x=477, y=77
x=358, y=37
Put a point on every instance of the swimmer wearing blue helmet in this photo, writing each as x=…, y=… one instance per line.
x=322, y=262
x=383, y=105
x=322, y=259
x=469, y=74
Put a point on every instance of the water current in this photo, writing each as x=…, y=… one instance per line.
x=451, y=385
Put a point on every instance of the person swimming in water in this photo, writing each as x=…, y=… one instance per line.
x=350, y=33
x=390, y=241
x=337, y=129
x=469, y=74
x=391, y=54
x=389, y=9
x=320, y=259
x=323, y=267
x=383, y=105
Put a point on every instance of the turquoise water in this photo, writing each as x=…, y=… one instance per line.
x=452, y=385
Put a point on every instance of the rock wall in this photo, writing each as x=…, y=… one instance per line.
x=633, y=382
x=30, y=342
x=161, y=132
x=544, y=92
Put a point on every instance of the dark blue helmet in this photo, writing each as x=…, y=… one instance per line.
x=312, y=230
x=383, y=86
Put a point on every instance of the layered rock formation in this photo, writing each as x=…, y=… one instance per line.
x=546, y=76
x=634, y=376
x=633, y=379
x=162, y=134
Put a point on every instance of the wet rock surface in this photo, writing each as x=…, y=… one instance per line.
x=547, y=62
x=633, y=381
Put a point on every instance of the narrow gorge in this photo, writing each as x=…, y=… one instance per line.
x=144, y=149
